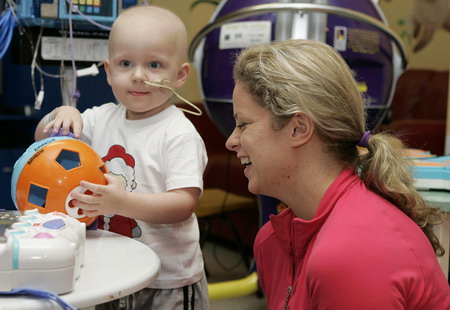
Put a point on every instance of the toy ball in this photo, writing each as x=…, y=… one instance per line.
x=50, y=170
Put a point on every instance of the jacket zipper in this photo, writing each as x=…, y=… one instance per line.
x=288, y=295
x=289, y=288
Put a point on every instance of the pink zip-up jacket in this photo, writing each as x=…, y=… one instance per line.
x=358, y=252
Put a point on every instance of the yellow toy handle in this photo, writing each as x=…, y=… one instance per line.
x=234, y=288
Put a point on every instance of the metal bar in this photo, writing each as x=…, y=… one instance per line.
x=304, y=7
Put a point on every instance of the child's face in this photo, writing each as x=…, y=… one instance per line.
x=141, y=52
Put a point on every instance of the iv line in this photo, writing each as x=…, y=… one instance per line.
x=158, y=83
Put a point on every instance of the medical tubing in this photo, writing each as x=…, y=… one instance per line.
x=39, y=294
x=158, y=83
x=7, y=23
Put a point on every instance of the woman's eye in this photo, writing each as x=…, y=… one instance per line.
x=125, y=63
x=241, y=125
x=154, y=65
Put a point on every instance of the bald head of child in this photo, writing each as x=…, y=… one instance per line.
x=140, y=24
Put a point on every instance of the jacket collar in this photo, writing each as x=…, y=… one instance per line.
x=292, y=230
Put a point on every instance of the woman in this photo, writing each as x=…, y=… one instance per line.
x=356, y=235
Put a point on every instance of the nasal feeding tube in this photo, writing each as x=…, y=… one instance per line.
x=159, y=83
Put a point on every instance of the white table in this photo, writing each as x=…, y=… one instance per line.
x=441, y=199
x=115, y=266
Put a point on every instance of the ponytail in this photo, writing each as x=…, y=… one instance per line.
x=386, y=171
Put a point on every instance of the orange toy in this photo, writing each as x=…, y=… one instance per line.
x=50, y=169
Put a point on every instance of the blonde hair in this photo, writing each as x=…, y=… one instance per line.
x=307, y=76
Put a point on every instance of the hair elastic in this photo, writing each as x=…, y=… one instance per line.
x=363, y=142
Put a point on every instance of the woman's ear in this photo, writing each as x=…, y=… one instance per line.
x=182, y=75
x=302, y=129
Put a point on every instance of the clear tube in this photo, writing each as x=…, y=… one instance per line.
x=161, y=84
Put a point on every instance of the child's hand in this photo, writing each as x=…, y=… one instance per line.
x=66, y=118
x=105, y=199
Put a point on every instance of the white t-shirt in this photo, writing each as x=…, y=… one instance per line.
x=154, y=155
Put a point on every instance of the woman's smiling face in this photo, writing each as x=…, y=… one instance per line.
x=258, y=145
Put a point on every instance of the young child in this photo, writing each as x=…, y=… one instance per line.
x=153, y=148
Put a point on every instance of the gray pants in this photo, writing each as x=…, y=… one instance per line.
x=191, y=297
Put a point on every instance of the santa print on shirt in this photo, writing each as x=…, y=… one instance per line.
x=120, y=163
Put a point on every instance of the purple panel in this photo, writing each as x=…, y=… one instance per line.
x=267, y=207
x=375, y=70
x=217, y=65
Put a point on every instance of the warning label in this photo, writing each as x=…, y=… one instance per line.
x=244, y=34
x=363, y=41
